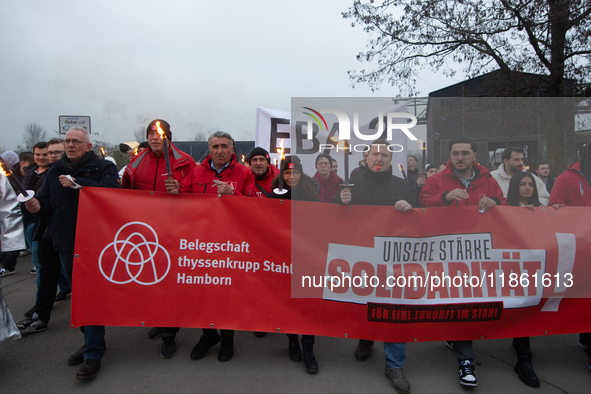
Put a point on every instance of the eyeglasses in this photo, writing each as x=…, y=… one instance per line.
x=75, y=142
x=323, y=163
x=56, y=153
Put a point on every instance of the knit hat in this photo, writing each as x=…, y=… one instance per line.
x=320, y=156
x=258, y=151
x=163, y=125
x=292, y=163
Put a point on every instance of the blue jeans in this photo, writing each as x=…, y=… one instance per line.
x=395, y=354
x=94, y=336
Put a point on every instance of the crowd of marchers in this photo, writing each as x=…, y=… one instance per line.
x=57, y=169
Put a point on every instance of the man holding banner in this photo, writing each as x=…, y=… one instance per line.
x=149, y=172
x=260, y=164
x=220, y=173
x=376, y=185
x=463, y=182
x=58, y=199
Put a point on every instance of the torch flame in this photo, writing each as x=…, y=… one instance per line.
x=400, y=167
x=102, y=151
x=160, y=131
x=341, y=144
x=282, y=150
x=243, y=158
x=5, y=172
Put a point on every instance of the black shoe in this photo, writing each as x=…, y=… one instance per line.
x=309, y=358
x=31, y=311
x=259, y=334
x=154, y=333
x=226, y=350
x=89, y=369
x=168, y=349
x=77, y=358
x=31, y=326
x=61, y=297
x=363, y=350
x=4, y=272
x=205, y=342
x=526, y=373
x=450, y=345
x=295, y=352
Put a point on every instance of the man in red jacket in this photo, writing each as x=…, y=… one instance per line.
x=219, y=174
x=264, y=172
x=463, y=182
x=571, y=188
x=148, y=172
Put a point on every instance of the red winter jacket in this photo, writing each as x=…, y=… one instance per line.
x=445, y=181
x=571, y=188
x=265, y=183
x=148, y=171
x=239, y=177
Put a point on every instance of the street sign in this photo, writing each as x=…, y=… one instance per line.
x=67, y=122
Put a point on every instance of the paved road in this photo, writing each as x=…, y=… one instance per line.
x=132, y=363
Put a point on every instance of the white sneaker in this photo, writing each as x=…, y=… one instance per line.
x=467, y=376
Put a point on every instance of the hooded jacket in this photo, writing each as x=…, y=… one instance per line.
x=201, y=179
x=148, y=171
x=438, y=185
x=571, y=188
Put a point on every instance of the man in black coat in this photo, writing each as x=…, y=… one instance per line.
x=377, y=186
x=58, y=199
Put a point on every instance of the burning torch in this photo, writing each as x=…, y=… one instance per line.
x=165, y=143
x=23, y=195
x=280, y=190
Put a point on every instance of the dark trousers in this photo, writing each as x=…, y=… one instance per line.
x=50, y=268
x=225, y=334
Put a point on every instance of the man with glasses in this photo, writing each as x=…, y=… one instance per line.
x=58, y=200
x=328, y=180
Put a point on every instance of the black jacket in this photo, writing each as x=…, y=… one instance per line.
x=61, y=203
x=379, y=188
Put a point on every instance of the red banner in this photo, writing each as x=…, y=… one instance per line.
x=156, y=260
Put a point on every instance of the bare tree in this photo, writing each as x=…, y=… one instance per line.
x=33, y=133
x=545, y=37
x=139, y=134
x=201, y=136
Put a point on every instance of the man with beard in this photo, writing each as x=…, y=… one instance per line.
x=264, y=172
x=513, y=161
x=464, y=182
x=148, y=172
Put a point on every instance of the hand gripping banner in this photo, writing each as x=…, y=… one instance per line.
x=158, y=260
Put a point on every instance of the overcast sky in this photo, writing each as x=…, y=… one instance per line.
x=201, y=65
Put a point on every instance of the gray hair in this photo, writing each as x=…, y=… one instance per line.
x=86, y=133
x=221, y=134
